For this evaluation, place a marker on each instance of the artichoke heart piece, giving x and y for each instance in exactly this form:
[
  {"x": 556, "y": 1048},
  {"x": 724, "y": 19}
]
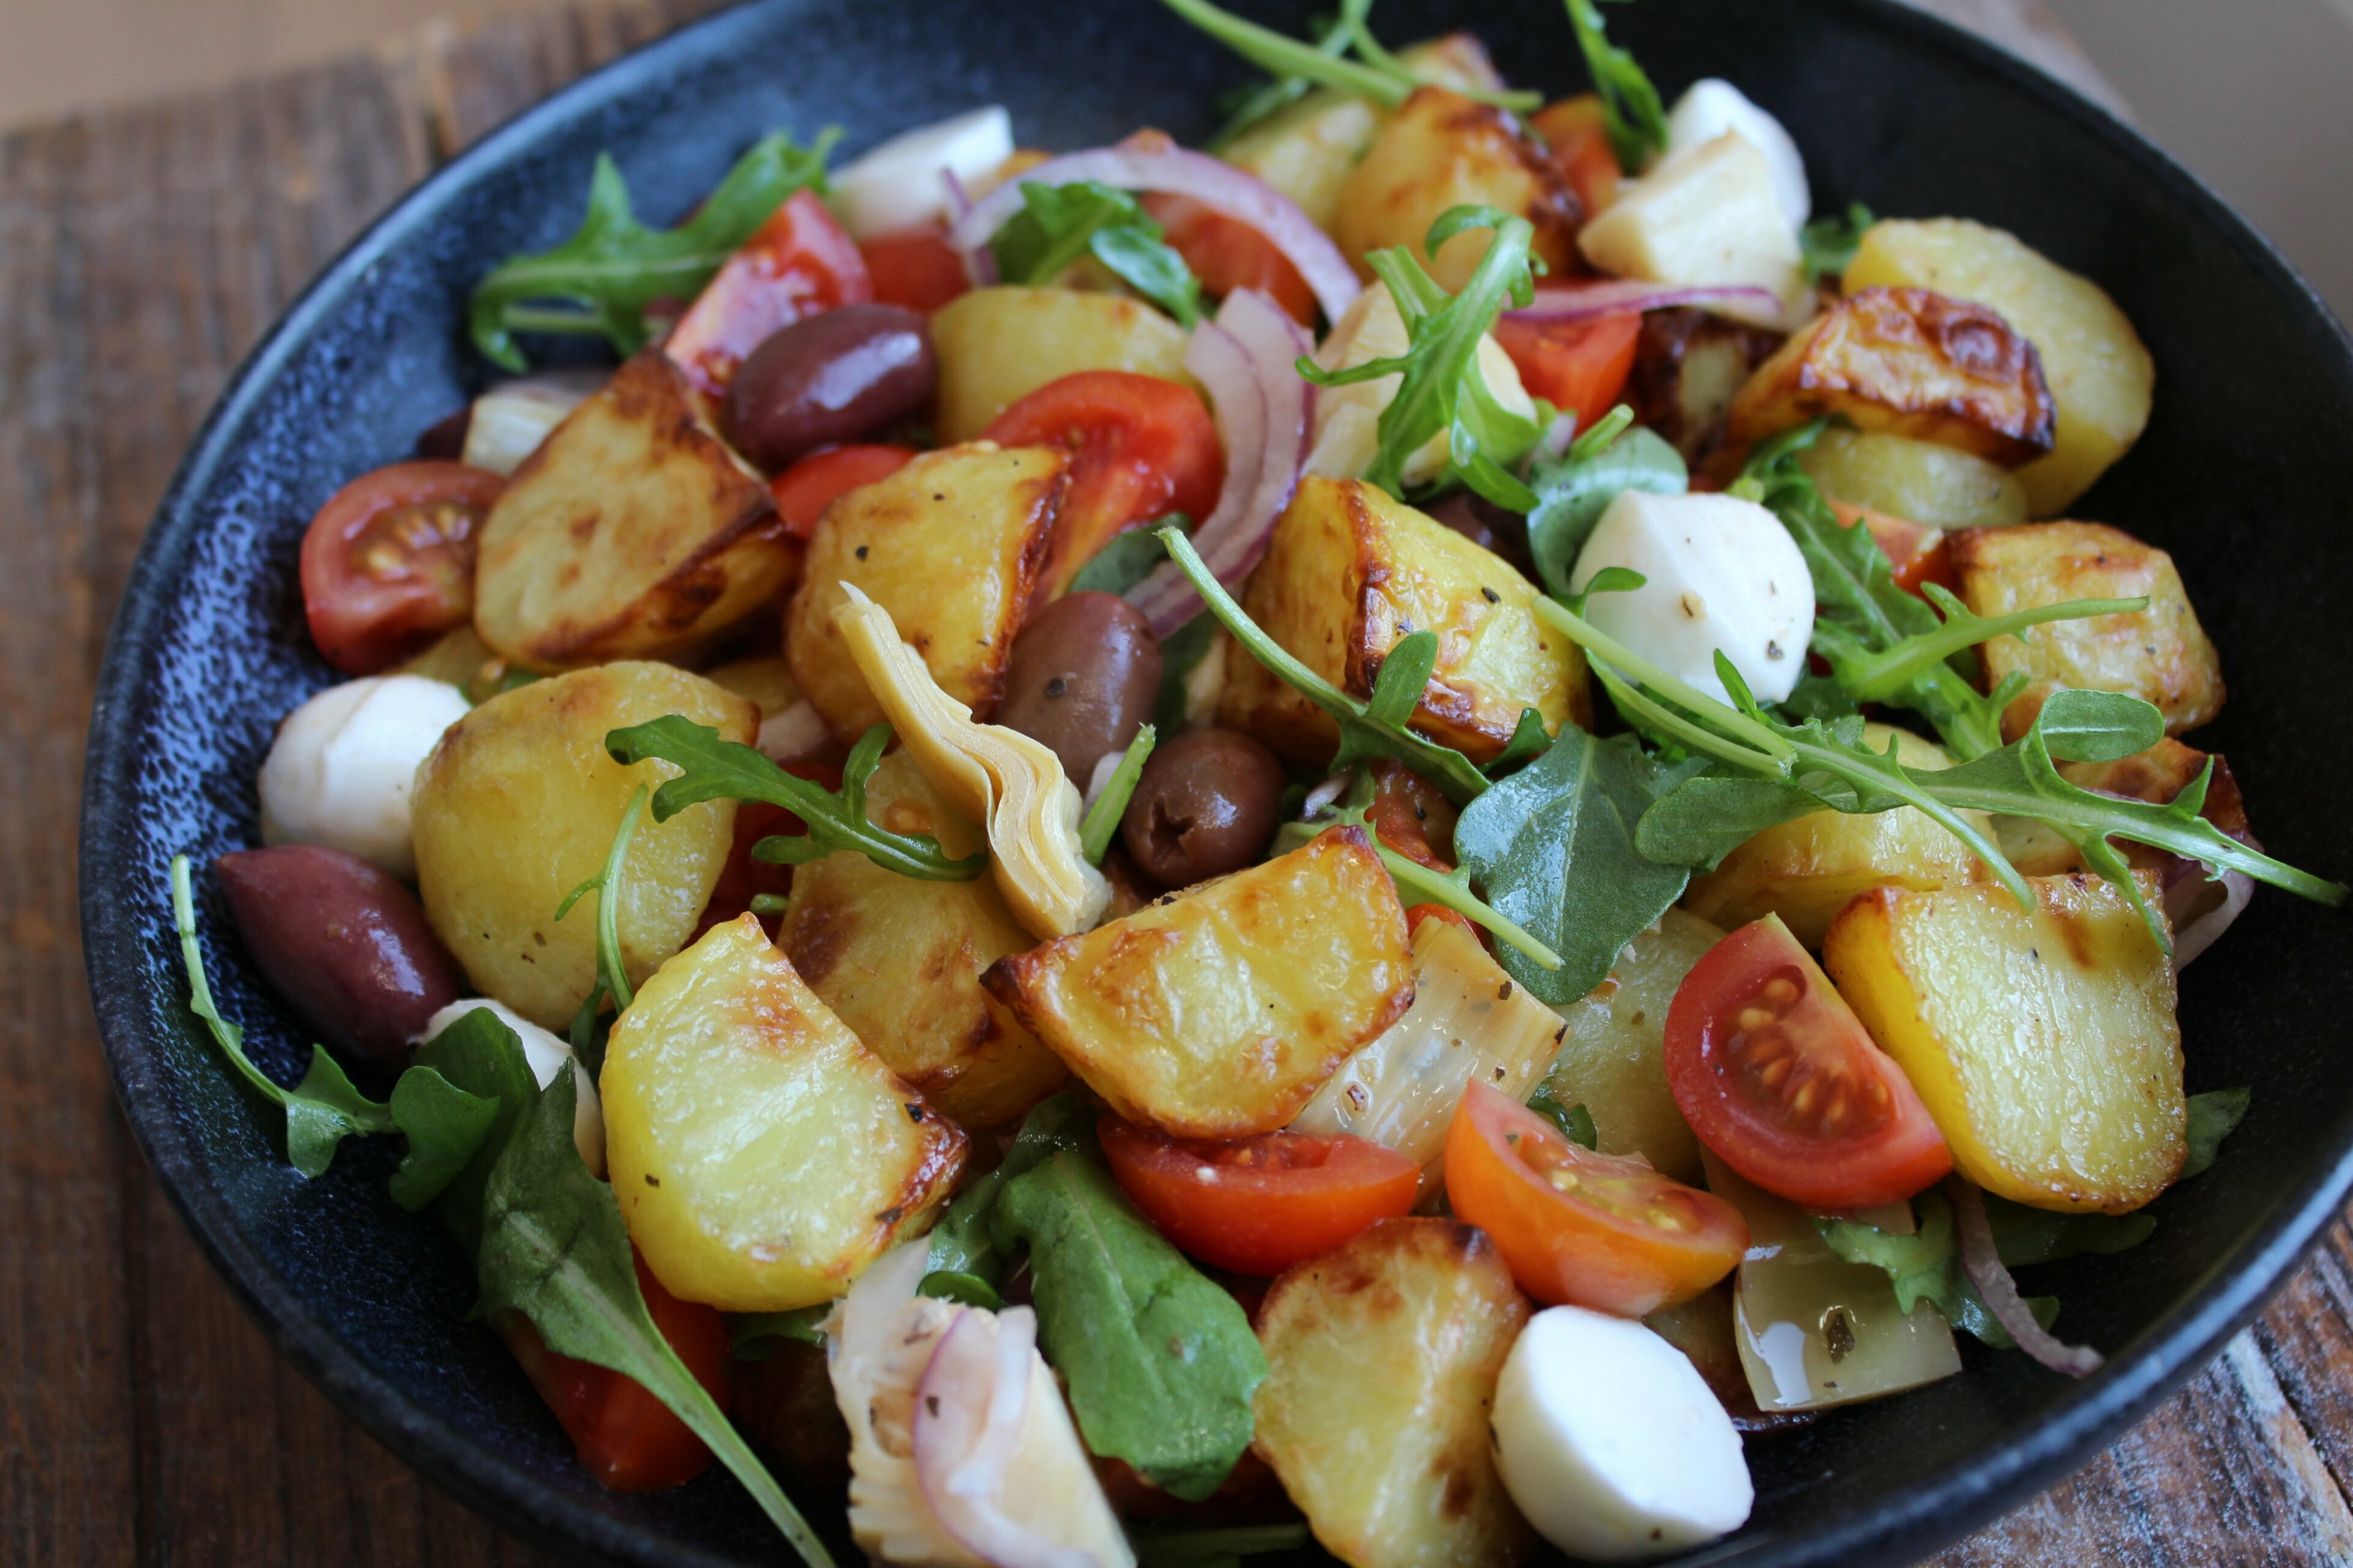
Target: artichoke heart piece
[{"x": 998, "y": 777}]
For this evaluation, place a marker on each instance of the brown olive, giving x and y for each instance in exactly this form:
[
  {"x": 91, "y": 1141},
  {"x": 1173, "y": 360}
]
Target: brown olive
[
  {"x": 1082, "y": 678},
  {"x": 346, "y": 946},
  {"x": 1205, "y": 806},
  {"x": 831, "y": 377}
]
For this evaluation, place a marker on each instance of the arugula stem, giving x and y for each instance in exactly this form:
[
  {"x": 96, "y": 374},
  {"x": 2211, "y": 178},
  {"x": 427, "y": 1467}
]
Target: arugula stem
[
  {"x": 1437, "y": 887},
  {"x": 1282, "y": 56},
  {"x": 538, "y": 318},
  {"x": 1706, "y": 742},
  {"x": 1898, "y": 780},
  {"x": 1728, "y": 721},
  {"x": 1880, "y": 677},
  {"x": 607, "y": 885},
  {"x": 230, "y": 1039},
  {"x": 1103, "y": 817}
]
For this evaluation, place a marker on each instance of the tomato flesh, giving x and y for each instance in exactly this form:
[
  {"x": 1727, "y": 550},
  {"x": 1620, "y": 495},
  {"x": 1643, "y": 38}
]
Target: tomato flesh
[
  {"x": 1777, "y": 1077},
  {"x": 799, "y": 262},
  {"x": 1580, "y": 366},
  {"x": 1259, "y": 1204},
  {"x": 1139, "y": 447},
  {"x": 1226, "y": 254},
  {"x": 914, "y": 268},
  {"x": 1577, "y": 136},
  {"x": 388, "y": 563},
  {"x": 803, "y": 491}
]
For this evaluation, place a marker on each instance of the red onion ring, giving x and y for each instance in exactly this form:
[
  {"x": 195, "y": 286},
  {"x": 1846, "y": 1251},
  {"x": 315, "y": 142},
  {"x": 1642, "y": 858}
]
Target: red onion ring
[
  {"x": 1247, "y": 359},
  {"x": 2200, "y": 931},
  {"x": 1559, "y": 306},
  {"x": 970, "y": 1411},
  {"x": 1210, "y": 181},
  {"x": 1984, "y": 1267}
]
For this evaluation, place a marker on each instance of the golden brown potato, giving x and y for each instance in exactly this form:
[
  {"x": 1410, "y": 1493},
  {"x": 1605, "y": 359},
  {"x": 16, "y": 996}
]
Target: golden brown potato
[
  {"x": 997, "y": 346},
  {"x": 950, "y": 545},
  {"x": 465, "y": 661},
  {"x": 1440, "y": 151},
  {"x": 899, "y": 959},
  {"x": 1382, "y": 1357},
  {"x": 2160, "y": 653},
  {"x": 632, "y": 533},
  {"x": 2043, "y": 1041},
  {"x": 1218, "y": 1012},
  {"x": 1349, "y": 573},
  {"x": 1807, "y": 869},
  {"x": 764, "y": 682},
  {"x": 1920, "y": 481},
  {"x": 762, "y": 1157},
  {"x": 1908, "y": 363},
  {"x": 1688, "y": 367},
  {"x": 2103, "y": 378},
  {"x": 517, "y": 805}
]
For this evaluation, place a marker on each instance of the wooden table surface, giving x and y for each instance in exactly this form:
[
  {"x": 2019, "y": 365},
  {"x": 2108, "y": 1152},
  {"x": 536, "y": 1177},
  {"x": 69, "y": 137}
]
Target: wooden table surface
[{"x": 144, "y": 1419}]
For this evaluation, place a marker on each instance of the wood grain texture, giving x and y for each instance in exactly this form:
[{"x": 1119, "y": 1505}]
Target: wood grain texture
[{"x": 144, "y": 1419}]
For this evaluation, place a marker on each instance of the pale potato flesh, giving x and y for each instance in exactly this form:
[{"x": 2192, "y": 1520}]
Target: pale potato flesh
[
  {"x": 1919, "y": 481},
  {"x": 997, "y": 346},
  {"x": 1440, "y": 151}
]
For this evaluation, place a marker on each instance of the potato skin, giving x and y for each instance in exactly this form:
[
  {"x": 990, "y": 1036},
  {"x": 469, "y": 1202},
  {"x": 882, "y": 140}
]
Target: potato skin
[
  {"x": 1688, "y": 367},
  {"x": 1348, "y": 574},
  {"x": 997, "y": 346},
  {"x": 517, "y": 805},
  {"x": 1440, "y": 151},
  {"x": 632, "y": 533},
  {"x": 762, "y": 1155},
  {"x": 2160, "y": 653},
  {"x": 2043, "y": 1041},
  {"x": 1382, "y": 1357},
  {"x": 1173, "y": 1017},
  {"x": 1919, "y": 481},
  {"x": 1907, "y": 361},
  {"x": 950, "y": 545}
]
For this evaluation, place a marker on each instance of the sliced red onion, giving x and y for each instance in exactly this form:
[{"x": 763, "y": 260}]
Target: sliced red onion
[
  {"x": 1212, "y": 182},
  {"x": 1324, "y": 793},
  {"x": 1558, "y": 306},
  {"x": 2000, "y": 1292},
  {"x": 2200, "y": 930},
  {"x": 1247, "y": 360},
  {"x": 970, "y": 1412}
]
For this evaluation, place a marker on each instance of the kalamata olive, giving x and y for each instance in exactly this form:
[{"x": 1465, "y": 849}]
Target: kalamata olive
[
  {"x": 835, "y": 377},
  {"x": 445, "y": 439},
  {"x": 1205, "y": 806},
  {"x": 1082, "y": 678},
  {"x": 346, "y": 946}
]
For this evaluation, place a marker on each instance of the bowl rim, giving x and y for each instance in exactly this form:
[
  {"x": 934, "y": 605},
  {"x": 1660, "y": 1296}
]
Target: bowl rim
[{"x": 1906, "y": 1524}]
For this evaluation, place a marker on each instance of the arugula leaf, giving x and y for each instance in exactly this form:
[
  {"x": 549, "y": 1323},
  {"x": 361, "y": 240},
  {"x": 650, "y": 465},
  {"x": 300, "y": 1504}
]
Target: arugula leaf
[
  {"x": 1378, "y": 74},
  {"x": 1128, "y": 558},
  {"x": 1573, "y": 489},
  {"x": 1102, "y": 817},
  {"x": 1575, "y": 1121},
  {"x": 1441, "y": 390},
  {"x": 970, "y": 1289},
  {"x": 717, "y": 769},
  {"x": 555, "y": 1249},
  {"x": 481, "y": 1056},
  {"x": 753, "y": 1336},
  {"x": 1926, "y": 1267},
  {"x": 1631, "y": 107},
  {"x": 612, "y": 972},
  {"x": 1375, "y": 729},
  {"x": 1827, "y": 246},
  {"x": 1712, "y": 815},
  {"x": 1249, "y": 104},
  {"x": 446, "y": 1127},
  {"x": 1161, "y": 1363},
  {"x": 1886, "y": 676},
  {"x": 2213, "y": 1116},
  {"x": 2023, "y": 1235},
  {"x": 1530, "y": 740},
  {"x": 1181, "y": 652},
  {"x": 961, "y": 1243},
  {"x": 1059, "y": 224},
  {"x": 613, "y": 267}
]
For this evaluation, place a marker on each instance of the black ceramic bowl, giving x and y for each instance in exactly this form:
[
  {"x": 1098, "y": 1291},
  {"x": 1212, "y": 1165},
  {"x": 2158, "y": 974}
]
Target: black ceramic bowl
[{"x": 2243, "y": 475}]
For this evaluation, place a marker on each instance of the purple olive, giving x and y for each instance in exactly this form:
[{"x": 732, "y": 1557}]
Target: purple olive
[
  {"x": 1083, "y": 678},
  {"x": 1205, "y": 806},
  {"x": 346, "y": 946},
  {"x": 835, "y": 377}
]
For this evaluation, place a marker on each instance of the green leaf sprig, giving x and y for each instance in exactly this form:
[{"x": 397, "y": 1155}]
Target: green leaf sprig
[
  {"x": 1102, "y": 817},
  {"x": 601, "y": 280},
  {"x": 1575, "y": 1121},
  {"x": 1632, "y": 110},
  {"x": 1827, "y": 246},
  {"x": 1059, "y": 224},
  {"x": 612, "y": 981},
  {"x": 1573, "y": 489},
  {"x": 1128, "y": 557}
]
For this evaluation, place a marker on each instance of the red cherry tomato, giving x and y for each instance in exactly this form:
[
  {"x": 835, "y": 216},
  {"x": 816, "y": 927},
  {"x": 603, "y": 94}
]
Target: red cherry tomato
[
  {"x": 626, "y": 1437},
  {"x": 1917, "y": 553},
  {"x": 1260, "y": 1205},
  {"x": 799, "y": 262},
  {"x": 914, "y": 268},
  {"x": 1141, "y": 448},
  {"x": 1581, "y": 1228},
  {"x": 1580, "y": 366},
  {"x": 1578, "y": 139},
  {"x": 1226, "y": 254},
  {"x": 803, "y": 491},
  {"x": 388, "y": 563},
  {"x": 1776, "y": 1075},
  {"x": 1412, "y": 816}
]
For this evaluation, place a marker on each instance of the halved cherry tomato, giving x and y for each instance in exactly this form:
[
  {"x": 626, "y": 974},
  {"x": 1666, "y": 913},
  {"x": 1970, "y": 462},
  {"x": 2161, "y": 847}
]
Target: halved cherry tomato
[
  {"x": 1226, "y": 254},
  {"x": 388, "y": 563},
  {"x": 1777, "y": 1077},
  {"x": 1421, "y": 912},
  {"x": 914, "y": 268},
  {"x": 1917, "y": 553},
  {"x": 1263, "y": 1204},
  {"x": 1412, "y": 816},
  {"x": 799, "y": 262},
  {"x": 1139, "y": 447},
  {"x": 1581, "y": 366},
  {"x": 1577, "y": 1227},
  {"x": 626, "y": 1437},
  {"x": 1578, "y": 139},
  {"x": 803, "y": 491}
]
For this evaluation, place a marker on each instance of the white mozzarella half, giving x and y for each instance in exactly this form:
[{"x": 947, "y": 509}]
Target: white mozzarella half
[
  {"x": 902, "y": 182},
  {"x": 1347, "y": 418},
  {"x": 546, "y": 1055},
  {"x": 1610, "y": 1443},
  {"x": 1720, "y": 572},
  {"x": 1710, "y": 106},
  {"x": 340, "y": 772}
]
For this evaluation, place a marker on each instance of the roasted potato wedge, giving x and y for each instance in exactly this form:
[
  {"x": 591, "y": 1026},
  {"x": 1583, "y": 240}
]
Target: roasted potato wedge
[
  {"x": 517, "y": 805},
  {"x": 1441, "y": 151},
  {"x": 632, "y": 533},
  {"x": 950, "y": 545},
  {"x": 1175, "y": 1017},
  {"x": 763, "y": 1156},
  {"x": 1382, "y": 1357},
  {"x": 2100, "y": 373},
  {"x": 1350, "y": 573},
  {"x": 1933, "y": 485},
  {"x": 997, "y": 346},
  {"x": 2042, "y": 1040},
  {"x": 1688, "y": 367},
  {"x": 2160, "y": 653},
  {"x": 764, "y": 682},
  {"x": 1907, "y": 361}
]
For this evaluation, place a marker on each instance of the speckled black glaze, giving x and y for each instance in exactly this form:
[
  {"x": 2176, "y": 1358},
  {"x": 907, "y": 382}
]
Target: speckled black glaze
[{"x": 2243, "y": 475}]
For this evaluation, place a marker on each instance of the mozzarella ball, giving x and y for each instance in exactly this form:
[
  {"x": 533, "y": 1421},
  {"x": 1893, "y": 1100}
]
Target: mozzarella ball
[
  {"x": 339, "y": 773},
  {"x": 902, "y": 182},
  {"x": 1722, "y": 573},
  {"x": 1610, "y": 1443},
  {"x": 546, "y": 1055},
  {"x": 1713, "y": 106},
  {"x": 1347, "y": 418}
]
